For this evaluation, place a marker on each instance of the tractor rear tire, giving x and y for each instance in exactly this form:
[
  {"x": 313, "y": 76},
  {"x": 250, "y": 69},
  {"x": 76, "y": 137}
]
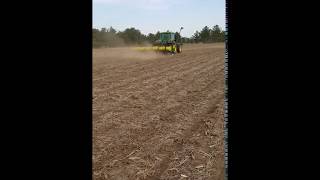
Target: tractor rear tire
[{"x": 179, "y": 50}]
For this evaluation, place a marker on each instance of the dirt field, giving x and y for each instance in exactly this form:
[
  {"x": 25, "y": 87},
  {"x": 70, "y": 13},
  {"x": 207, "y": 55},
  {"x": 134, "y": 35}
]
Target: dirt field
[{"x": 158, "y": 116}]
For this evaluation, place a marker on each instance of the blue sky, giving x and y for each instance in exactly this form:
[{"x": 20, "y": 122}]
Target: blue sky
[{"x": 150, "y": 16}]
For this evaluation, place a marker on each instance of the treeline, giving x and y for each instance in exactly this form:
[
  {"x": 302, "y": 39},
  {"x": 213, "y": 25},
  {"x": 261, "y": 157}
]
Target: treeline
[{"x": 131, "y": 36}]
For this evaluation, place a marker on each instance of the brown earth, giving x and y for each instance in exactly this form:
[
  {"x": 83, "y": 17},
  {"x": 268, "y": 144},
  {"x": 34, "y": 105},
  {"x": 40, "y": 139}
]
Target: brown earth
[{"x": 158, "y": 116}]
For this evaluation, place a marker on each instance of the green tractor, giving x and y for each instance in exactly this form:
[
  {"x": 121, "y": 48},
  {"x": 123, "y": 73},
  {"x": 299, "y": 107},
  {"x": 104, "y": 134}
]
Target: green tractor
[{"x": 167, "y": 43}]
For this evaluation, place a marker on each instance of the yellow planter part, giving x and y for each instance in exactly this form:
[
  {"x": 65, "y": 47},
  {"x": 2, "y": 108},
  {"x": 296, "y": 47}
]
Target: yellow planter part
[{"x": 157, "y": 48}]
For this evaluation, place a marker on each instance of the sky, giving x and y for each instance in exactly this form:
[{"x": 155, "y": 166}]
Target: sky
[{"x": 150, "y": 16}]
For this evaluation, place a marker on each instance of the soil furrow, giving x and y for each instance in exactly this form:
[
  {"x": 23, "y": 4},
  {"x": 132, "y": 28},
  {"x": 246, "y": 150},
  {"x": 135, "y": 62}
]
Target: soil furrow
[{"x": 157, "y": 117}]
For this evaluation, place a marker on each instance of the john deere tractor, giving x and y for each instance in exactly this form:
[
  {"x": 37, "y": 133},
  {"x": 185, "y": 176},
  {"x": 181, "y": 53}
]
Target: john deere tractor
[{"x": 167, "y": 43}]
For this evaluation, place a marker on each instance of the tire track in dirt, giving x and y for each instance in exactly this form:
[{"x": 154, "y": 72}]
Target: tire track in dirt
[
  {"x": 185, "y": 137},
  {"x": 123, "y": 166},
  {"x": 151, "y": 63},
  {"x": 182, "y": 83},
  {"x": 158, "y": 65},
  {"x": 160, "y": 61},
  {"x": 190, "y": 147},
  {"x": 173, "y": 91},
  {"x": 171, "y": 76},
  {"x": 145, "y": 130},
  {"x": 169, "y": 66},
  {"x": 196, "y": 112},
  {"x": 168, "y": 94},
  {"x": 110, "y": 85},
  {"x": 144, "y": 115}
]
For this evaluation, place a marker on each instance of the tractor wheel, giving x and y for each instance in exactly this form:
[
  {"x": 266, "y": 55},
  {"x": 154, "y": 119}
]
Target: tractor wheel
[{"x": 179, "y": 50}]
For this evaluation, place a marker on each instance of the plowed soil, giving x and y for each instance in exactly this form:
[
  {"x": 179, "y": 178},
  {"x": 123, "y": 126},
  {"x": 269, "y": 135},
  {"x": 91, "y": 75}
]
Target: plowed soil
[{"x": 158, "y": 116}]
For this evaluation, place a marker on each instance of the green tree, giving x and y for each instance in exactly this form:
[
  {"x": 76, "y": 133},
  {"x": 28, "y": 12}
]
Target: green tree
[
  {"x": 205, "y": 34},
  {"x": 151, "y": 38},
  {"x": 96, "y": 38},
  {"x": 132, "y": 36},
  {"x": 216, "y": 34},
  {"x": 196, "y": 37},
  {"x": 112, "y": 30},
  {"x": 216, "y": 29},
  {"x": 157, "y": 35}
]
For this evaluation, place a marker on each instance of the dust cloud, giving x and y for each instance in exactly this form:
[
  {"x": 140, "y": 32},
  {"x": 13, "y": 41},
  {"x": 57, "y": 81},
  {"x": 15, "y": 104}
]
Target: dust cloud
[{"x": 125, "y": 53}]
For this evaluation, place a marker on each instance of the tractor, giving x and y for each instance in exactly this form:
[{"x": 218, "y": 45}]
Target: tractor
[{"x": 167, "y": 43}]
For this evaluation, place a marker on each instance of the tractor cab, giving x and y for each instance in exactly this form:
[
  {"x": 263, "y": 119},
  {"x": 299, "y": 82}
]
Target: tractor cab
[{"x": 167, "y": 37}]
